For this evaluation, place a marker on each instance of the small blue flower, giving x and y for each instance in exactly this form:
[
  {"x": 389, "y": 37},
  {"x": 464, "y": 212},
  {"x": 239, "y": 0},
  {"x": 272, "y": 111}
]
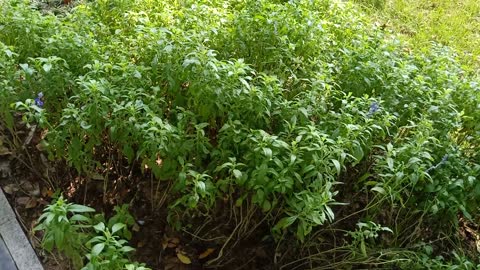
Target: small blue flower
[
  {"x": 444, "y": 159},
  {"x": 374, "y": 107},
  {"x": 39, "y": 100}
]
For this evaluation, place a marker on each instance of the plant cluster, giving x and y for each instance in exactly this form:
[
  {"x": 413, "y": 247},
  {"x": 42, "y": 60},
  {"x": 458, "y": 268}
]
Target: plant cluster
[
  {"x": 269, "y": 110},
  {"x": 71, "y": 229}
]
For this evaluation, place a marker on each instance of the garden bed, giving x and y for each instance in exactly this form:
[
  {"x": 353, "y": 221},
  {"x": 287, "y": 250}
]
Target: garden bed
[{"x": 235, "y": 135}]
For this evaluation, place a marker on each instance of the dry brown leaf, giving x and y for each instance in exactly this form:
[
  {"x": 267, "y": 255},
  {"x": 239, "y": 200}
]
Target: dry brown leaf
[
  {"x": 32, "y": 189},
  {"x": 170, "y": 266},
  {"x": 136, "y": 228},
  {"x": 31, "y": 203},
  {"x": 164, "y": 244},
  {"x": 46, "y": 192},
  {"x": 171, "y": 242},
  {"x": 41, "y": 146},
  {"x": 30, "y": 135},
  {"x": 206, "y": 253},
  {"x": 183, "y": 258},
  {"x": 140, "y": 244},
  {"x": 5, "y": 170},
  {"x": 4, "y": 151},
  {"x": 11, "y": 188},
  {"x": 174, "y": 240},
  {"x": 23, "y": 200},
  {"x": 171, "y": 263}
]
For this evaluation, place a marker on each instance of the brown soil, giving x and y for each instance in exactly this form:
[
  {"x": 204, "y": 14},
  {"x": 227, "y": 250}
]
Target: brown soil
[{"x": 29, "y": 180}]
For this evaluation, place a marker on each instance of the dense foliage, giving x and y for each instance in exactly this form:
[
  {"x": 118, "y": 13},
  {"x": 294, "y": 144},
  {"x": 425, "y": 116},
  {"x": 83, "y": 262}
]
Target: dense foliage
[{"x": 296, "y": 116}]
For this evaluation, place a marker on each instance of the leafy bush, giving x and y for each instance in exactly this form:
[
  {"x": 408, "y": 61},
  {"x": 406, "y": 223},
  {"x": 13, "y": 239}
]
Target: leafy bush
[
  {"x": 69, "y": 228},
  {"x": 278, "y": 108}
]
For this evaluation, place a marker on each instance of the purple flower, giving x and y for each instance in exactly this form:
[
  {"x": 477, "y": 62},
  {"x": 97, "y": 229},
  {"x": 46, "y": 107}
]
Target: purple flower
[
  {"x": 444, "y": 159},
  {"x": 39, "y": 100},
  {"x": 373, "y": 109}
]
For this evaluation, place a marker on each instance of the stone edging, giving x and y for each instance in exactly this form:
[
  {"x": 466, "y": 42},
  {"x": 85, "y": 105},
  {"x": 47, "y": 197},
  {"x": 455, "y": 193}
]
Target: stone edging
[{"x": 17, "y": 243}]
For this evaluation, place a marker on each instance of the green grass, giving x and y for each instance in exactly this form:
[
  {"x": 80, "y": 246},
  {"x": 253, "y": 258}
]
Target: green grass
[{"x": 455, "y": 23}]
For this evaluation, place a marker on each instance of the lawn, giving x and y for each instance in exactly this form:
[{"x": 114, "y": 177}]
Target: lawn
[{"x": 455, "y": 23}]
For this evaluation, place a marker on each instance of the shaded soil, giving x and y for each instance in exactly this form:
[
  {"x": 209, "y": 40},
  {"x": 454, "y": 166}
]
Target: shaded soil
[{"x": 30, "y": 181}]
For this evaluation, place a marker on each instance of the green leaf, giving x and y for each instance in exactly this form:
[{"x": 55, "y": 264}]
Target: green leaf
[
  {"x": 237, "y": 174},
  {"x": 337, "y": 166},
  {"x": 301, "y": 230},
  {"x": 78, "y": 208},
  {"x": 201, "y": 186},
  {"x": 79, "y": 218},
  {"x": 390, "y": 163},
  {"x": 137, "y": 74},
  {"x": 389, "y": 147},
  {"x": 117, "y": 227},
  {"x": 244, "y": 82},
  {"x": 259, "y": 196},
  {"x": 266, "y": 206},
  {"x": 127, "y": 249},
  {"x": 27, "y": 69},
  {"x": 84, "y": 125},
  {"x": 59, "y": 238},
  {"x": 100, "y": 227},
  {"x": 363, "y": 248},
  {"x": 358, "y": 153},
  {"x": 98, "y": 248},
  {"x": 9, "y": 53},
  {"x": 47, "y": 67},
  {"x": 285, "y": 222},
  {"x": 267, "y": 152},
  {"x": 330, "y": 214},
  {"x": 379, "y": 190},
  {"x": 128, "y": 152}
]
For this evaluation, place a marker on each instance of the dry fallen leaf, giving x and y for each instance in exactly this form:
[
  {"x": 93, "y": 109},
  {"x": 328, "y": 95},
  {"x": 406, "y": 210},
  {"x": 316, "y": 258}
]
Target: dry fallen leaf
[
  {"x": 33, "y": 189},
  {"x": 206, "y": 253},
  {"x": 174, "y": 240},
  {"x": 140, "y": 244},
  {"x": 171, "y": 263},
  {"x": 164, "y": 245},
  {"x": 135, "y": 227},
  {"x": 30, "y": 135},
  {"x": 46, "y": 192},
  {"x": 5, "y": 170},
  {"x": 11, "y": 188},
  {"x": 4, "y": 151},
  {"x": 23, "y": 200},
  {"x": 31, "y": 203},
  {"x": 171, "y": 242},
  {"x": 41, "y": 146},
  {"x": 183, "y": 258}
]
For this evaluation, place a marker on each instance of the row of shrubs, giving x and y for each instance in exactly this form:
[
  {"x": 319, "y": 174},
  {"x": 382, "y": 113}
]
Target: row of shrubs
[{"x": 281, "y": 107}]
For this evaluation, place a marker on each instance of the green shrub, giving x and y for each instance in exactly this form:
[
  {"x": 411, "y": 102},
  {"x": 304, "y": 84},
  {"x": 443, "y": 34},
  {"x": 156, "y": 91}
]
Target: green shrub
[
  {"x": 276, "y": 107},
  {"x": 70, "y": 229}
]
